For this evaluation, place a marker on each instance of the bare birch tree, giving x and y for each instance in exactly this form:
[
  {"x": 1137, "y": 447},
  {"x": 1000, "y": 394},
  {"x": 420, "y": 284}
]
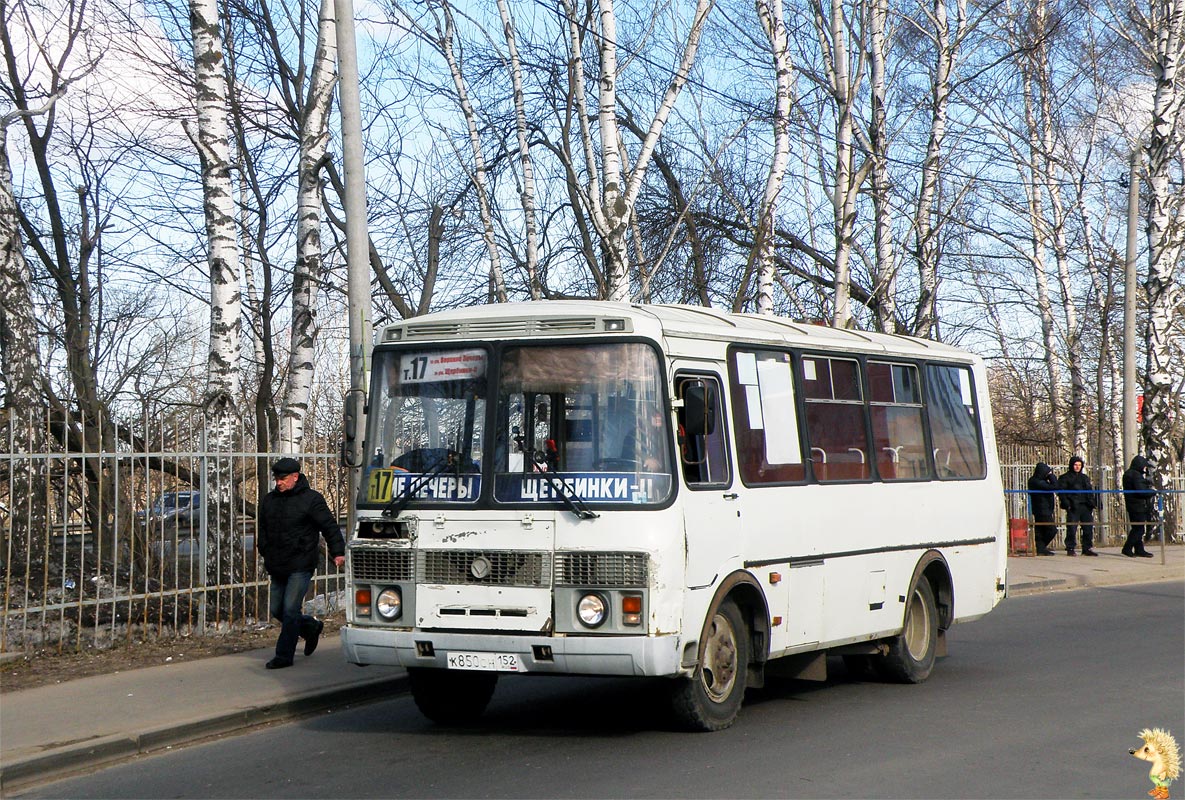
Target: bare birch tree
[
  {"x": 526, "y": 164},
  {"x": 1166, "y": 228},
  {"x": 929, "y": 216},
  {"x": 884, "y": 271},
  {"x": 773, "y": 22},
  {"x": 613, "y": 208},
  {"x": 222, "y": 384},
  {"x": 308, "y": 270},
  {"x": 842, "y": 79}
]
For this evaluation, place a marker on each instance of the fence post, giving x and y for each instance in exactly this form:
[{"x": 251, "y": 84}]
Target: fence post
[{"x": 204, "y": 494}]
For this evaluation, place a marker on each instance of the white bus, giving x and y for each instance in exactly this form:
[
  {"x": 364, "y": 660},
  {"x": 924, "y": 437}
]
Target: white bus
[{"x": 609, "y": 489}]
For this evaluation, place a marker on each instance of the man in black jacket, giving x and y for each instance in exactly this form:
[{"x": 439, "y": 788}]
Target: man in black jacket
[
  {"x": 1078, "y": 499},
  {"x": 290, "y": 518},
  {"x": 1138, "y": 497},
  {"x": 1042, "y": 485}
]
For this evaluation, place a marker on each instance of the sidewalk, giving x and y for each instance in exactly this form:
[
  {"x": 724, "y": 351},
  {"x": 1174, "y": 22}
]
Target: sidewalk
[{"x": 52, "y": 731}]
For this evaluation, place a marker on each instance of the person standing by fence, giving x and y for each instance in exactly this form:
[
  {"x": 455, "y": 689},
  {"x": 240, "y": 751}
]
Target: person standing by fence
[
  {"x": 1078, "y": 499},
  {"x": 290, "y": 519},
  {"x": 1042, "y": 485},
  {"x": 1138, "y": 497}
]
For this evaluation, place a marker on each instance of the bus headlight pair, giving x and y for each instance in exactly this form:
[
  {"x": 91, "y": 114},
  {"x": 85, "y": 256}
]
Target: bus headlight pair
[
  {"x": 388, "y": 605},
  {"x": 593, "y": 609}
]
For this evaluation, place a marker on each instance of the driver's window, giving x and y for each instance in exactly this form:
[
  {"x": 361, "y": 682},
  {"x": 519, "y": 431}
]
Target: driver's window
[{"x": 703, "y": 455}]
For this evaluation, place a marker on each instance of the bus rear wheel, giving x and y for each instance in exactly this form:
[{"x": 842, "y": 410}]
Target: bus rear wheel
[
  {"x": 711, "y": 698},
  {"x": 451, "y": 698},
  {"x": 911, "y": 655}
]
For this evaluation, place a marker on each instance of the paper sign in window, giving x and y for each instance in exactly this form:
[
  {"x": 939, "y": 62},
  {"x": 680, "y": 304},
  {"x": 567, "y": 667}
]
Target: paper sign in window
[
  {"x": 781, "y": 416},
  {"x": 746, "y": 369}
]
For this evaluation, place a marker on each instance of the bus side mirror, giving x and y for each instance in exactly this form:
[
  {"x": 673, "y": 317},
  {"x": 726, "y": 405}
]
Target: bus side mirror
[
  {"x": 699, "y": 409},
  {"x": 353, "y": 410}
]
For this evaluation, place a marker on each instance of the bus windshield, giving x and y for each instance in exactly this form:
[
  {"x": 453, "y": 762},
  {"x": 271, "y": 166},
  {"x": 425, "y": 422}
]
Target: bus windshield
[{"x": 593, "y": 414}]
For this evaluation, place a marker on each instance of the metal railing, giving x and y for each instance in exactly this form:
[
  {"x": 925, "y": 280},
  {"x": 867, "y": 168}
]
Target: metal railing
[{"x": 147, "y": 534}]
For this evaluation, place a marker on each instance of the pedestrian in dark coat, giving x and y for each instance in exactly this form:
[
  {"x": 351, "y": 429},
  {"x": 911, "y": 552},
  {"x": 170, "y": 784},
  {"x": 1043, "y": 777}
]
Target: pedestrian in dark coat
[
  {"x": 1042, "y": 500},
  {"x": 291, "y": 518},
  {"x": 1139, "y": 497},
  {"x": 1077, "y": 497}
]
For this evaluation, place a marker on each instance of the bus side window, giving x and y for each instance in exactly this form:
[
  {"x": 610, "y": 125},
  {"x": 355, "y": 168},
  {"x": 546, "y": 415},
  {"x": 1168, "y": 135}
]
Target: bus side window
[{"x": 703, "y": 451}]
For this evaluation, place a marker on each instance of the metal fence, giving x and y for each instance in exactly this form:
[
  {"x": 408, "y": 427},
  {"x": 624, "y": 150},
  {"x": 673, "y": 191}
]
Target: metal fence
[{"x": 137, "y": 531}]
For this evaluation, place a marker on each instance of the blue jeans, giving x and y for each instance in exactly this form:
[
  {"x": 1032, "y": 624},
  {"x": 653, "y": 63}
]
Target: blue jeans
[{"x": 286, "y": 604}]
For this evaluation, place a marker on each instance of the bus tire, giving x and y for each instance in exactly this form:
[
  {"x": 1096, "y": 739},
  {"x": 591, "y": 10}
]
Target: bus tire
[
  {"x": 711, "y": 698},
  {"x": 451, "y": 698},
  {"x": 911, "y": 655}
]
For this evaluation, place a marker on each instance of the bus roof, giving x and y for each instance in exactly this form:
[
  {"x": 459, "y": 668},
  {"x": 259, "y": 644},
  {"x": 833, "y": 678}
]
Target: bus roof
[{"x": 660, "y": 321}]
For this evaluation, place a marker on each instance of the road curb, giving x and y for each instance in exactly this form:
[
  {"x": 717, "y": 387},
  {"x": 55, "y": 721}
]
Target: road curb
[
  {"x": 1037, "y": 587},
  {"x": 1081, "y": 582},
  {"x": 25, "y": 771}
]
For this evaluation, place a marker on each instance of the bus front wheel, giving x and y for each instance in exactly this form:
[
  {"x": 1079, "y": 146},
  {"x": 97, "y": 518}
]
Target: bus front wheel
[
  {"x": 451, "y": 698},
  {"x": 711, "y": 698},
  {"x": 911, "y": 655}
]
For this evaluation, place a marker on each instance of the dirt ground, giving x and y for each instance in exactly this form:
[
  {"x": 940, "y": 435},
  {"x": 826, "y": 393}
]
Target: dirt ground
[{"x": 44, "y": 667}]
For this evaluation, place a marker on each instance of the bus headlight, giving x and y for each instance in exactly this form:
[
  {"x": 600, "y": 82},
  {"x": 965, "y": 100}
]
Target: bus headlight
[
  {"x": 389, "y": 604},
  {"x": 592, "y": 609}
]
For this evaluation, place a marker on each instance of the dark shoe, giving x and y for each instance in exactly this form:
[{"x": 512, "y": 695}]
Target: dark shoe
[
  {"x": 1089, "y": 553},
  {"x": 1071, "y": 553},
  {"x": 279, "y": 663},
  {"x": 1145, "y": 554},
  {"x": 1045, "y": 551},
  {"x": 310, "y": 641},
  {"x": 1128, "y": 553}
]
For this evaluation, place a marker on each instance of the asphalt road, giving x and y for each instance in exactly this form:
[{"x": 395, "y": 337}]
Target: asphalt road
[{"x": 1041, "y": 699}]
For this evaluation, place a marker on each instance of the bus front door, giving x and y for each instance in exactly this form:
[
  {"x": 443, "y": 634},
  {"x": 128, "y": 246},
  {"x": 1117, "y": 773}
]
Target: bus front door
[{"x": 711, "y": 506}]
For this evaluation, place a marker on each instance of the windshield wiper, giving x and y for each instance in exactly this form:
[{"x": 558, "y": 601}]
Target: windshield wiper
[
  {"x": 572, "y": 500},
  {"x": 397, "y": 504}
]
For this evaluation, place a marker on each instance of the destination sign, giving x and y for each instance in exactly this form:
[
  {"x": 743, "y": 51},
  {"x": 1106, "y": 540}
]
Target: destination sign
[
  {"x": 591, "y": 487},
  {"x": 453, "y": 365},
  {"x": 383, "y": 484}
]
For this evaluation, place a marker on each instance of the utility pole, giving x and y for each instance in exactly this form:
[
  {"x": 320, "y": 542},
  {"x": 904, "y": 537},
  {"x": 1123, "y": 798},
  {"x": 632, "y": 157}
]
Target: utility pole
[
  {"x": 357, "y": 244},
  {"x": 1129, "y": 310}
]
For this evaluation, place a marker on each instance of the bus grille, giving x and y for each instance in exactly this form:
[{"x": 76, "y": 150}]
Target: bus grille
[
  {"x": 601, "y": 569},
  {"x": 381, "y": 565},
  {"x": 488, "y": 567}
]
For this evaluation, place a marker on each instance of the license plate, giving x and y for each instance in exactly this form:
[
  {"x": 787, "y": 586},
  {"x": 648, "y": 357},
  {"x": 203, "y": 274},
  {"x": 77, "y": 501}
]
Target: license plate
[{"x": 488, "y": 662}]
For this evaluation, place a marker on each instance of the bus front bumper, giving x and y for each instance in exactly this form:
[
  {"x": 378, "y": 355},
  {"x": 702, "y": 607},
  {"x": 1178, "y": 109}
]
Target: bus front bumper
[{"x": 580, "y": 655}]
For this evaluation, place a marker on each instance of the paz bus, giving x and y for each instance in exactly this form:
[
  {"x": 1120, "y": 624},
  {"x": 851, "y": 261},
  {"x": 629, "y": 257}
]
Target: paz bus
[{"x": 658, "y": 490}]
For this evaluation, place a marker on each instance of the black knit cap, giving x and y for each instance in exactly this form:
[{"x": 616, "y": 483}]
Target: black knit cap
[{"x": 285, "y": 466}]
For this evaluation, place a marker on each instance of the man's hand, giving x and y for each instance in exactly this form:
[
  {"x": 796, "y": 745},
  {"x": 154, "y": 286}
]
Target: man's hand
[{"x": 339, "y": 560}]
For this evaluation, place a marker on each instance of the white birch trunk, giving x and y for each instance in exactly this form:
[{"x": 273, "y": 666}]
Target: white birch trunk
[
  {"x": 884, "y": 273},
  {"x": 1166, "y": 237},
  {"x": 589, "y": 195},
  {"x": 1078, "y": 433},
  {"x": 445, "y": 41},
  {"x": 612, "y": 202},
  {"x": 1037, "y": 257},
  {"x": 832, "y": 30},
  {"x": 618, "y": 198},
  {"x": 223, "y": 254},
  {"x": 306, "y": 275},
  {"x": 928, "y": 217},
  {"x": 527, "y": 191},
  {"x": 222, "y": 383},
  {"x": 1108, "y": 376},
  {"x": 772, "y": 16}
]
